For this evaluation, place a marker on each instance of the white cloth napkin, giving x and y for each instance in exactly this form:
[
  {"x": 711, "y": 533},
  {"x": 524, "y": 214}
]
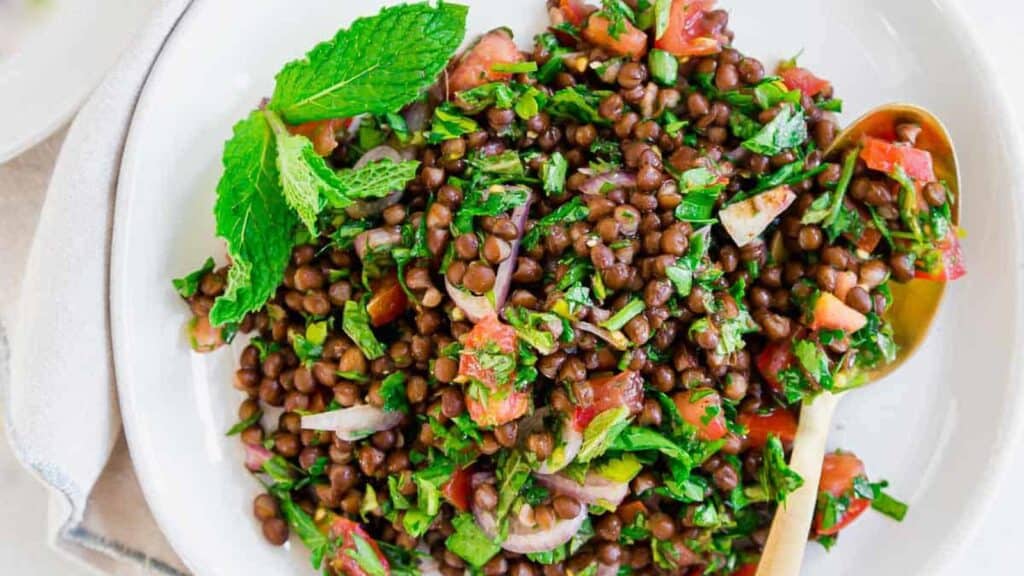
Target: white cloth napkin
[{"x": 62, "y": 414}]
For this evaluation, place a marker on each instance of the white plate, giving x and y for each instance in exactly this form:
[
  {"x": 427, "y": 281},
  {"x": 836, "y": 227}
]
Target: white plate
[
  {"x": 52, "y": 54},
  {"x": 939, "y": 430}
]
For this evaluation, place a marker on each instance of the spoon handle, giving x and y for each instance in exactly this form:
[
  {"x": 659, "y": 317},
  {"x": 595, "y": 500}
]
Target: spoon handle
[{"x": 784, "y": 551}]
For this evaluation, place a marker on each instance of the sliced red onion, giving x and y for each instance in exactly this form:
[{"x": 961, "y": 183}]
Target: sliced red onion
[
  {"x": 376, "y": 238},
  {"x": 381, "y": 152},
  {"x": 524, "y": 540},
  {"x": 615, "y": 339},
  {"x": 596, "y": 489},
  {"x": 353, "y": 423},
  {"x": 476, "y": 308},
  {"x": 366, "y": 208},
  {"x": 569, "y": 445},
  {"x": 602, "y": 183},
  {"x": 482, "y": 477},
  {"x": 255, "y": 456}
]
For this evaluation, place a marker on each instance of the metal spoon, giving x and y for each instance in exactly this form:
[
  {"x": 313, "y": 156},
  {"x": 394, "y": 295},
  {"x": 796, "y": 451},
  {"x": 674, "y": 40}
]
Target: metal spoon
[{"x": 914, "y": 306}]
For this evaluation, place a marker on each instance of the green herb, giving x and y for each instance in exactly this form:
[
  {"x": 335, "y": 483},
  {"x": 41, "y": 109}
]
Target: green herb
[
  {"x": 701, "y": 189},
  {"x": 908, "y": 202},
  {"x": 684, "y": 270},
  {"x": 890, "y": 506},
  {"x": 578, "y": 270},
  {"x": 514, "y": 67},
  {"x": 578, "y": 103},
  {"x": 814, "y": 361},
  {"x": 777, "y": 479},
  {"x": 242, "y": 425},
  {"x": 377, "y": 65},
  {"x": 494, "y": 201},
  {"x": 449, "y": 124},
  {"x": 188, "y": 285},
  {"x": 392, "y": 391},
  {"x": 831, "y": 105},
  {"x": 280, "y": 471},
  {"x": 254, "y": 220},
  {"x": 567, "y": 550},
  {"x": 638, "y": 438},
  {"x": 507, "y": 163},
  {"x": 770, "y": 92},
  {"x": 534, "y": 493},
  {"x": 310, "y": 346},
  {"x": 304, "y": 526},
  {"x": 621, "y": 469},
  {"x": 602, "y": 431},
  {"x": 618, "y": 320},
  {"x": 554, "y": 64},
  {"x": 662, "y": 15},
  {"x": 366, "y": 557},
  {"x": 375, "y": 180},
  {"x": 574, "y": 210},
  {"x": 532, "y": 326},
  {"x": 664, "y": 67},
  {"x": 743, "y": 127},
  {"x": 834, "y": 224},
  {"x": 475, "y": 100},
  {"x": 356, "y": 324},
  {"x": 787, "y": 130},
  {"x": 345, "y": 234},
  {"x": 874, "y": 343},
  {"x": 306, "y": 179},
  {"x": 553, "y": 173},
  {"x": 512, "y": 471},
  {"x": 369, "y": 503}
]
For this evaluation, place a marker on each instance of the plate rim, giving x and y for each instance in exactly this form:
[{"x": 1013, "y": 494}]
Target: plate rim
[{"x": 978, "y": 502}]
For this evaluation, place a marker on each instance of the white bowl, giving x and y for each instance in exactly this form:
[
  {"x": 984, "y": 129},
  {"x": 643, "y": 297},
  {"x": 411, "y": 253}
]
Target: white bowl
[{"x": 938, "y": 430}]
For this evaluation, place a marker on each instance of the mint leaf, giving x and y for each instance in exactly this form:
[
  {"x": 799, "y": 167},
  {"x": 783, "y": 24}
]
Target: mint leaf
[
  {"x": 305, "y": 176},
  {"x": 188, "y": 285},
  {"x": 355, "y": 323},
  {"x": 469, "y": 542},
  {"x": 377, "y": 65},
  {"x": 786, "y": 130},
  {"x": 375, "y": 180},
  {"x": 392, "y": 390},
  {"x": 253, "y": 218}
]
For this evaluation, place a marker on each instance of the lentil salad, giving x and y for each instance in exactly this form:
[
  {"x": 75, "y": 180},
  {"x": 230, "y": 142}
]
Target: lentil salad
[{"x": 557, "y": 314}]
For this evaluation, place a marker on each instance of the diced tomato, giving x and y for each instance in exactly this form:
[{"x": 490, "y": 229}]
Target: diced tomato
[
  {"x": 867, "y": 241},
  {"x": 203, "y": 336},
  {"x": 476, "y": 65},
  {"x": 952, "y": 265},
  {"x": 779, "y": 422},
  {"x": 702, "y": 408},
  {"x": 575, "y": 11},
  {"x": 487, "y": 332},
  {"x": 346, "y": 531},
  {"x": 630, "y": 41},
  {"x": 322, "y": 133},
  {"x": 388, "y": 302},
  {"x": 830, "y": 313},
  {"x": 801, "y": 79},
  {"x": 746, "y": 570},
  {"x": 628, "y": 511},
  {"x": 845, "y": 281},
  {"x": 622, "y": 389},
  {"x": 776, "y": 357},
  {"x": 884, "y": 156},
  {"x": 457, "y": 490},
  {"x": 688, "y": 32},
  {"x": 838, "y": 472},
  {"x": 502, "y": 405}
]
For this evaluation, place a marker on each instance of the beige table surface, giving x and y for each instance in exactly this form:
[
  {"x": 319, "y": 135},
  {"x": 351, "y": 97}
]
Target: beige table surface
[{"x": 23, "y": 549}]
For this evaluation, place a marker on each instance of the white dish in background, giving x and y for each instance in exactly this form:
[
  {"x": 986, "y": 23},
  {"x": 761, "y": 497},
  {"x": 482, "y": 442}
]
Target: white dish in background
[
  {"x": 939, "y": 430},
  {"x": 52, "y": 54}
]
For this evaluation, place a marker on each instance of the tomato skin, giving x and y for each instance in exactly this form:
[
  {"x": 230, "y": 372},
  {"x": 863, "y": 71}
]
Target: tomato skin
[
  {"x": 695, "y": 411},
  {"x": 486, "y": 331},
  {"x": 779, "y": 422},
  {"x": 774, "y": 358},
  {"x": 687, "y": 33},
  {"x": 952, "y": 266},
  {"x": 344, "y": 529},
  {"x": 388, "y": 302},
  {"x": 746, "y": 570},
  {"x": 458, "y": 489},
  {"x": 623, "y": 389},
  {"x": 831, "y": 313},
  {"x": 801, "y": 79},
  {"x": 632, "y": 41},
  {"x": 853, "y": 511},
  {"x": 501, "y": 407},
  {"x": 838, "y": 471},
  {"x": 575, "y": 11},
  {"x": 475, "y": 67},
  {"x": 884, "y": 156},
  {"x": 322, "y": 133}
]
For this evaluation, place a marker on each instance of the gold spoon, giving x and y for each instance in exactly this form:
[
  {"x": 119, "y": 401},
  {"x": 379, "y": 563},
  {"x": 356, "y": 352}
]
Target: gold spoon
[{"x": 913, "y": 309}]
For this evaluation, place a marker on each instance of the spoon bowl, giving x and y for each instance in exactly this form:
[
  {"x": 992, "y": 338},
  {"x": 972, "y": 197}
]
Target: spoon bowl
[{"x": 913, "y": 309}]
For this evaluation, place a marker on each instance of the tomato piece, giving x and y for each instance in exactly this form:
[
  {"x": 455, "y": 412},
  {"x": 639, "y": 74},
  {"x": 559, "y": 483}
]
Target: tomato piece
[
  {"x": 458, "y": 489},
  {"x": 501, "y": 406},
  {"x": 776, "y": 357},
  {"x": 779, "y": 422},
  {"x": 475, "y": 67},
  {"x": 203, "y": 336},
  {"x": 688, "y": 32},
  {"x": 388, "y": 302},
  {"x": 630, "y": 41},
  {"x": 702, "y": 408},
  {"x": 575, "y": 11},
  {"x": 952, "y": 265},
  {"x": 838, "y": 471},
  {"x": 323, "y": 133},
  {"x": 884, "y": 156},
  {"x": 853, "y": 511},
  {"x": 801, "y": 79},
  {"x": 494, "y": 338},
  {"x": 622, "y": 389},
  {"x": 746, "y": 570},
  {"x": 346, "y": 531},
  {"x": 830, "y": 313}
]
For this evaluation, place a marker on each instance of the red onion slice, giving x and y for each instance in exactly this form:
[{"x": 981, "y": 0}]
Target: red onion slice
[
  {"x": 608, "y": 181},
  {"x": 596, "y": 489},
  {"x": 570, "y": 441},
  {"x": 476, "y": 308},
  {"x": 382, "y": 152},
  {"x": 616, "y": 339},
  {"x": 523, "y": 540},
  {"x": 352, "y": 423},
  {"x": 376, "y": 238},
  {"x": 255, "y": 456}
]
